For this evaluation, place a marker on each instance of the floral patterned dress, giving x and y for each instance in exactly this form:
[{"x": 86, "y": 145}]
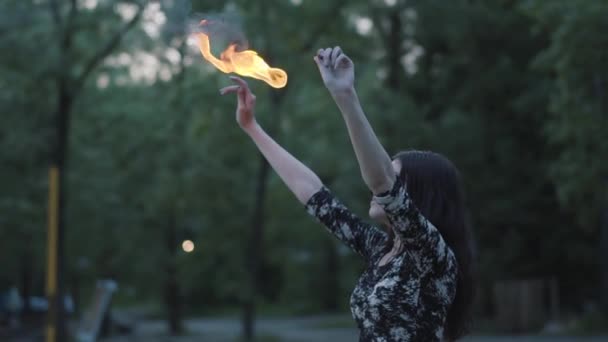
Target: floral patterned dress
[{"x": 406, "y": 299}]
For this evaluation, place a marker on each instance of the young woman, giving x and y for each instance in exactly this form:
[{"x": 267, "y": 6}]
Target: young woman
[{"x": 418, "y": 282}]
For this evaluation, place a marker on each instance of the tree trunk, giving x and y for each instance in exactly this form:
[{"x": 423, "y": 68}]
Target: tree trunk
[
  {"x": 254, "y": 255},
  {"x": 172, "y": 297},
  {"x": 393, "y": 40},
  {"x": 255, "y": 248},
  {"x": 394, "y": 50},
  {"x": 172, "y": 290},
  {"x": 604, "y": 258},
  {"x": 67, "y": 87},
  {"x": 331, "y": 284},
  {"x": 603, "y": 241},
  {"x": 76, "y": 293},
  {"x": 56, "y": 313},
  {"x": 26, "y": 280}
]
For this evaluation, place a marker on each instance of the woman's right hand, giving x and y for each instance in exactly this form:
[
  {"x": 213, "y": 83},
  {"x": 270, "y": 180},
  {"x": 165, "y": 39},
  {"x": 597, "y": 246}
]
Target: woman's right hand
[
  {"x": 245, "y": 114},
  {"x": 337, "y": 70}
]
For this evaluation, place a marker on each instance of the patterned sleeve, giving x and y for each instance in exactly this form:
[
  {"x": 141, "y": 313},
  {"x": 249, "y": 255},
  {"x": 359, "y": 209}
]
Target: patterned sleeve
[
  {"x": 415, "y": 230},
  {"x": 360, "y": 236}
]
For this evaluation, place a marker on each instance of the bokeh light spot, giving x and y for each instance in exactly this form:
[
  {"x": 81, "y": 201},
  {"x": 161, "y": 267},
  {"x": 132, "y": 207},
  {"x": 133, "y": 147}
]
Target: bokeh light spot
[{"x": 188, "y": 246}]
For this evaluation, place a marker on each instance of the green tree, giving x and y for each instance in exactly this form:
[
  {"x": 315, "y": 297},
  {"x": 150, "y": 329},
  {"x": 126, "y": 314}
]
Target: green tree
[{"x": 574, "y": 60}]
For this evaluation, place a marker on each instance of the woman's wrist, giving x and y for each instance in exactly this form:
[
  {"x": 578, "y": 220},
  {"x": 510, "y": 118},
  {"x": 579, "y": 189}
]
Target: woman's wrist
[
  {"x": 251, "y": 128},
  {"x": 347, "y": 101},
  {"x": 344, "y": 94}
]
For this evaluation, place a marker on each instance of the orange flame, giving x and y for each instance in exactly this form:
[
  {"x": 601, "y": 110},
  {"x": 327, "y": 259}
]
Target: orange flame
[{"x": 246, "y": 63}]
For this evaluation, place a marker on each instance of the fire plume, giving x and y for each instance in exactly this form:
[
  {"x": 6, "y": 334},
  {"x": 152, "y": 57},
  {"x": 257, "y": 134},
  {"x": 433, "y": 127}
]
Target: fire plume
[{"x": 245, "y": 63}]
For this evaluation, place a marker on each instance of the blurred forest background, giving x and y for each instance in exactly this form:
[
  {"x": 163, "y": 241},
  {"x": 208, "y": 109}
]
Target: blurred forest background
[{"x": 514, "y": 92}]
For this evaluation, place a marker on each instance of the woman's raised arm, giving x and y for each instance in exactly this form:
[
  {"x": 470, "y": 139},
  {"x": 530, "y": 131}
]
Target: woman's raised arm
[
  {"x": 338, "y": 73},
  {"x": 302, "y": 181}
]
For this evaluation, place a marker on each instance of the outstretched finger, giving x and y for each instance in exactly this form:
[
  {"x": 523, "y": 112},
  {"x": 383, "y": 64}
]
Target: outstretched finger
[
  {"x": 243, "y": 91},
  {"x": 229, "y": 89},
  {"x": 240, "y": 82},
  {"x": 245, "y": 95}
]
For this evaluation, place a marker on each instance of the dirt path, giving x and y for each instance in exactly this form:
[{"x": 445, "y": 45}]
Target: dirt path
[{"x": 309, "y": 329}]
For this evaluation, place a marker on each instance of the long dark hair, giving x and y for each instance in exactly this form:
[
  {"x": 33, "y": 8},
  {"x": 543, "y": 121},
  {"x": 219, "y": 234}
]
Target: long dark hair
[{"x": 435, "y": 186}]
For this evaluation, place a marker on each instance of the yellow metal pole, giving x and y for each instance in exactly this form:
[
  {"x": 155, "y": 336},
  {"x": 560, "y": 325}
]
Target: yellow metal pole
[{"x": 51, "y": 267}]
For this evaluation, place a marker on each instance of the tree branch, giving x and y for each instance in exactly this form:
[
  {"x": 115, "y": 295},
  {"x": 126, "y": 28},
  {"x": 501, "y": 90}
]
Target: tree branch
[
  {"x": 107, "y": 48},
  {"x": 66, "y": 34},
  {"x": 377, "y": 15},
  {"x": 66, "y": 40},
  {"x": 322, "y": 26},
  {"x": 55, "y": 12},
  {"x": 71, "y": 15}
]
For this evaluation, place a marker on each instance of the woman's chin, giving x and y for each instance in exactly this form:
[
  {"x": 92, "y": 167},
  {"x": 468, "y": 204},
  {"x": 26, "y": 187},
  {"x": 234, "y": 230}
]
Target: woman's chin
[
  {"x": 377, "y": 215},
  {"x": 372, "y": 214}
]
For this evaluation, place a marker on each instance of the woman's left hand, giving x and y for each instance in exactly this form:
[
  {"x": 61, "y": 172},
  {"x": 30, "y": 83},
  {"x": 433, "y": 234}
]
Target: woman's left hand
[{"x": 245, "y": 115}]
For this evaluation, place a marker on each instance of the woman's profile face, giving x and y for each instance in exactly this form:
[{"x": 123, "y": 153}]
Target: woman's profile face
[{"x": 375, "y": 211}]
